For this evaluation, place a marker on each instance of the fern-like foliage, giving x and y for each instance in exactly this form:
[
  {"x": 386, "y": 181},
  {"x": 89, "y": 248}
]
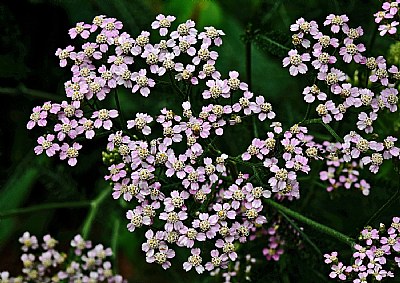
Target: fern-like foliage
[{"x": 274, "y": 43}]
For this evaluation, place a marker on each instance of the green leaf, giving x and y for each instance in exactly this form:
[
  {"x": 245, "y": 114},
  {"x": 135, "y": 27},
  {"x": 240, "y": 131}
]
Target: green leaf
[
  {"x": 272, "y": 43},
  {"x": 15, "y": 192}
]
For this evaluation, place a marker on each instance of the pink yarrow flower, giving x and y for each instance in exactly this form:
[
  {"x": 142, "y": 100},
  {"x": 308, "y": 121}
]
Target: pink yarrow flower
[
  {"x": 143, "y": 83},
  {"x": 388, "y": 28},
  {"x": 352, "y": 51},
  {"x": 46, "y": 144},
  {"x": 81, "y": 29},
  {"x": 64, "y": 54},
  {"x": 296, "y": 61},
  {"x": 38, "y": 117},
  {"x": 304, "y": 27},
  {"x": 162, "y": 23},
  {"x": 70, "y": 152},
  {"x": 103, "y": 118},
  {"x": 336, "y": 22},
  {"x": 195, "y": 261},
  {"x": 141, "y": 123}
]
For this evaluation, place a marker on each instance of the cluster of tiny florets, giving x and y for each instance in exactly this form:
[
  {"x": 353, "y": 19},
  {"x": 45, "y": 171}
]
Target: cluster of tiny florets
[
  {"x": 42, "y": 262},
  {"x": 376, "y": 255},
  {"x": 182, "y": 191},
  {"x": 388, "y": 18}
]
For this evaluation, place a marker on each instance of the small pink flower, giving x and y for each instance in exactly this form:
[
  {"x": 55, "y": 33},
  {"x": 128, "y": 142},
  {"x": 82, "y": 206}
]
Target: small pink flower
[
  {"x": 211, "y": 35},
  {"x": 143, "y": 83},
  {"x": 163, "y": 23},
  {"x": 103, "y": 118},
  {"x": 312, "y": 92},
  {"x": 64, "y": 54},
  {"x": 216, "y": 89},
  {"x": 336, "y": 22},
  {"x": 80, "y": 29},
  {"x": 38, "y": 117},
  {"x": 116, "y": 172},
  {"x": 365, "y": 121},
  {"x": 322, "y": 60},
  {"x": 304, "y": 27},
  {"x": 388, "y": 28},
  {"x": 352, "y": 51},
  {"x": 296, "y": 61},
  {"x": 141, "y": 123},
  {"x": 195, "y": 261},
  {"x": 70, "y": 152},
  {"x": 263, "y": 108},
  {"x": 46, "y": 144}
]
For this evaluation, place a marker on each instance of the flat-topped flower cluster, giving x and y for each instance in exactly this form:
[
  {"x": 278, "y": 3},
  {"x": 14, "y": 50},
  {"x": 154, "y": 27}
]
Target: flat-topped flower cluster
[
  {"x": 343, "y": 98},
  {"x": 388, "y": 17},
  {"x": 42, "y": 262},
  {"x": 201, "y": 207},
  {"x": 183, "y": 191},
  {"x": 375, "y": 256}
]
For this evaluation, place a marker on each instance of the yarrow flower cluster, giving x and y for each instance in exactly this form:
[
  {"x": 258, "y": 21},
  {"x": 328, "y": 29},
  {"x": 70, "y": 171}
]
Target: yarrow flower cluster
[
  {"x": 388, "y": 18},
  {"x": 341, "y": 174},
  {"x": 184, "y": 192},
  {"x": 42, "y": 262},
  {"x": 376, "y": 255},
  {"x": 142, "y": 168},
  {"x": 345, "y": 98}
]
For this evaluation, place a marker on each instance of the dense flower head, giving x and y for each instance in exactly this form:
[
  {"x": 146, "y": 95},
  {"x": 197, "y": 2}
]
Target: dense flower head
[
  {"x": 374, "y": 252},
  {"x": 183, "y": 191},
  {"x": 45, "y": 263}
]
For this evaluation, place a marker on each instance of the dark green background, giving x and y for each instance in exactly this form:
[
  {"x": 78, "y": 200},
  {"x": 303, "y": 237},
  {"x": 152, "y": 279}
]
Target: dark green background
[{"x": 31, "y": 31}]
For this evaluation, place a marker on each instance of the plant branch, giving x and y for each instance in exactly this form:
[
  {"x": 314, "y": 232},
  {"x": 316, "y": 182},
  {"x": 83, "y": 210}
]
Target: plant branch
[
  {"x": 388, "y": 203},
  {"x": 94, "y": 207},
  {"x": 33, "y": 93},
  {"x": 114, "y": 242},
  {"x": 121, "y": 116},
  {"x": 42, "y": 207},
  {"x": 329, "y": 128},
  {"x": 317, "y": 226},
  {"x": 298, "y": 229},
  {"x": 175, "y": 86}
]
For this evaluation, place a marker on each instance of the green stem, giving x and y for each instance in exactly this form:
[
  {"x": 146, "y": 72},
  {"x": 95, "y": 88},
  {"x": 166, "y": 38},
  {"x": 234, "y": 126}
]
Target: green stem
[
  {"x": 329, "y": 128},
  {"x": 307, "y": 113},
  {"x": 121, "y": 116},
  {"x": 317, "y": 226},
  {"x": 42, "y": 207},
  {"x": 332, "y": 132},
  {"x": 388, "y": 203},
  {"x": 114, "y": 242},
  {"x": 311, "y": 121},
  {"x": 298, "y": 229},
  {"x": 32, "y": 93},
  {"x": 175, "y": 86},
  {"x": 94, "y": 207}
]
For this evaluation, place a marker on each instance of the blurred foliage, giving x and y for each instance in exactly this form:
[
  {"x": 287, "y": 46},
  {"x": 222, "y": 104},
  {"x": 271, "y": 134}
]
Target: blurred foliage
[{"x": 32, "y": 30}]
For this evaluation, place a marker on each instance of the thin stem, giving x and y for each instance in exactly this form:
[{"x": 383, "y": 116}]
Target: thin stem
[
  {"x": 248, "y": 60},
  {"x": 248, "y": 73},
  {"x": 94, "y": 207},
  {"x": 307, "y": 113},
  {"x": 332, "y": 132},
  {"x": 329, "y": 128},
  {"x": 298, "y": 229},
  {"x": 42, "y": 207},
  {"x": 311, "y": 121},
  {"x": 114, "y": 242},
  {"x": 317, "y": 226},
  {"x": 33, "y": 93},
  {"x": 121, "y": 116},
  {"x": 388, "y": 203},
  {"x": 175, "y": 86}
]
